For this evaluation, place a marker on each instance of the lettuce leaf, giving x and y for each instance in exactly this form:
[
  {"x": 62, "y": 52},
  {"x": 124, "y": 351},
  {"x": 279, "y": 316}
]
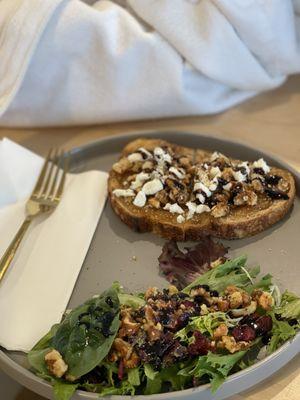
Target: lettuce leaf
[
  {"x": 214, "y": 367},
  {"x": 232, "y": 272},
  {"x": 281, "y": 332},
  {"x": 206, "y": 324},
  {"x": 290, "y": 306},
  {"x": 63, "y": 390}
]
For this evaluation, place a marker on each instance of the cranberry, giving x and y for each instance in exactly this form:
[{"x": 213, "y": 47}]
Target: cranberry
[
  {"x": 263, "y": 324},
  {"x": 201, "y": 345},
  {"x": 121, "y": 370},
  {"x": 243, "y": 332},
  {"x": 188, "y": 304}
]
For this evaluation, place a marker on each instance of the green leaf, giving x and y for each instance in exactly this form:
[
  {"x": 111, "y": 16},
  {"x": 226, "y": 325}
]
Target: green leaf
[
  {"x": 264, "y": 283},
  {"x": 149, "y": 372},
  {"x": 134, "y": 376},
  {"x": 229, "y": 273},
  {"x": 125, "y": 389},
  {"x": 153, "y": 386},
  {"x": 281, "y": 332},
  {"x": 131, "y": 300},
  {"x": 79, "y": 337},
  {"x": 290, "y": 306},
  {"x": 206, "y": 324},
  {"x": 63, "y": 390},
  {"x": 215, "y": 367}
]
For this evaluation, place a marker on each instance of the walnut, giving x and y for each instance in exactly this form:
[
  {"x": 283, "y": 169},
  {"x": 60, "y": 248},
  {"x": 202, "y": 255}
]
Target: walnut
[
  {"x": 245, "y": 197},
  {"x": 128, "y": 325},
  {"x": 227, "y": 174},
  {"x": 154, "y": 202},
  {"x": 123, "y": 349},
  {"x": 220, "y": 210},
  {"x": 132, "y": 362},
  {"x": 148, "y": 165},
  {"x": 122, "y": 166},
  {"x": 185, "y": 162},
  {"x": 264, "y": 299},
  {"x": 153, "y": 333},
  {"x": 231, "y": 345},
  {"x": 283, "y": 185},
  {"x": 246, "y": 298},
  {"x": 235, "y": 299},
  {"x": 150, "y": 315},
  {"x": 162, "y": 197},
  {"x": 223, "y": 305},
  {"x": 257, "y": 186},
  {"x": 151, "y": 292},
  {"x": 220, "y": 331},
  {"x": 55, "y": 363}
]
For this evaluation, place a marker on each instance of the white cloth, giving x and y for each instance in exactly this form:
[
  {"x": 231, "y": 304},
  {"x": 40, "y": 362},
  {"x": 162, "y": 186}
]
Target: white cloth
[
  {"x": 36, "y": 288},
  {"x": 65, "y": 62}
]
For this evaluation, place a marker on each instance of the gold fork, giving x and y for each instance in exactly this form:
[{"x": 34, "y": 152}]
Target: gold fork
[{"x": 44, "y": 198}]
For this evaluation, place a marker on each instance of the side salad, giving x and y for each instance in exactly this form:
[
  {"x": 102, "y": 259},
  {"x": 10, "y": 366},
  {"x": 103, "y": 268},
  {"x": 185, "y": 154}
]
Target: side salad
[{"x": 161, "y": 341}]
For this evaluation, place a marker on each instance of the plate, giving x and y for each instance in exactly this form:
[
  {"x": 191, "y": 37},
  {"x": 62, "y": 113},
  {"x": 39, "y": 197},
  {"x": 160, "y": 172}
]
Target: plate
[{"x": 117, "y": 253}]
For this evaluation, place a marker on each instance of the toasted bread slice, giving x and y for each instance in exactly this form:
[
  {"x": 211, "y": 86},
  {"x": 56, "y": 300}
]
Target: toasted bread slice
[{"x": 240, "y": 220}]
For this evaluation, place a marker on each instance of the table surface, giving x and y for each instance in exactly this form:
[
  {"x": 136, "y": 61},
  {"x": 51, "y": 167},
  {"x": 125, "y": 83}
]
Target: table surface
[{"x": 270, "y": 121}]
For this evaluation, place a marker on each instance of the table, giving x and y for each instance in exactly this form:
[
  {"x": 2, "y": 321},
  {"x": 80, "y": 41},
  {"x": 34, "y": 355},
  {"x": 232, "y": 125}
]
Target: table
[{"x": 270, "y": 121}]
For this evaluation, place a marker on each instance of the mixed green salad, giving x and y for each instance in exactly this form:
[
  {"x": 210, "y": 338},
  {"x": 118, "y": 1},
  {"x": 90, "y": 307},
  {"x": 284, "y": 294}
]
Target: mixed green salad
[{"x": 161, "y": 341}]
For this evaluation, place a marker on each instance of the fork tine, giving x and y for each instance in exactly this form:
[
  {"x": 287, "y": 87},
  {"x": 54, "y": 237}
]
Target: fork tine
[
  {"x": 63, "y": 178},
  {"x": 60, "y": 156},
  {"x": 48, "y": 176},
  {"x": 42, "y": 175}
]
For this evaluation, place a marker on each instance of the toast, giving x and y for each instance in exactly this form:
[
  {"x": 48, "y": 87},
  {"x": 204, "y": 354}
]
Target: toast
[{"x": 184, "y": 194}]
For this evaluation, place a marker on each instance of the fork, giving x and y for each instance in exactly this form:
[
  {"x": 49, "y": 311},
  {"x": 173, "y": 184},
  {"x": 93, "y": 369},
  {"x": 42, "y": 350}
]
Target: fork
[{"x": 44, "y": 198}]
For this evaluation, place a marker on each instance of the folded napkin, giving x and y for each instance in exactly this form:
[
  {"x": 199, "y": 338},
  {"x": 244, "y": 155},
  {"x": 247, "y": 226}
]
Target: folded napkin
[
  {"x": 90, "y": 61},
  {"x": 36, "y": 289}
]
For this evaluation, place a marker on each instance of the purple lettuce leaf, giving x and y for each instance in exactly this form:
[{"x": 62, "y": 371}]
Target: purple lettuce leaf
[{"x": 183, "y": 267}]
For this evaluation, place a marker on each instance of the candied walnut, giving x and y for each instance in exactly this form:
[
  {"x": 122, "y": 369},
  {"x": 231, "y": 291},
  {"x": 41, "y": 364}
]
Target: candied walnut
[
  {"x": 153, "y": 332},
  {"x": 123, "y": 349},
  {"x": 223, "y": 305},
  {"x": 154, "y": 202},
  {"x": 229, "y": 343},
  {"x": 150, "y": 315},
  {"x": 128, "y": 325},
  {"x": 133, "y": 361},
  {"x": 264, "y": 299},
  {"x": 283, "y": 185},
  {"x": 148, "y": 165},
  {"x": 231, "y": 289},
  {"x": 151, "y": 292},
  {"x": 227, "y": 174},
  {"x": 222, "y": 197},
  {"x": 55, "y": 363},
  {"x": 122, "y": 166},
  {"x": 245, "y": 197},
  {"x": 257, "y": 186},
  {"x": 235, "y": 299},
  {"x": 162, "y": 197},
  {"x": 220, "y": 210},
  {"x": 246, "y": 298},
  {"x": 220, "y": 331},
  {"x": 185, "y": 162}
]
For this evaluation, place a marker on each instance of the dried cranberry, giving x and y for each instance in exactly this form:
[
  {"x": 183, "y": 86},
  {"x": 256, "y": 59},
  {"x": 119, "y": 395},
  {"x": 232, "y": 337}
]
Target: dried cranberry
[
  {"x": 199, "y": 299},
  {"x": 276, "y": 194},
  {"x": 266, "y": 339},
  {"x": 214, "y": 293},
  {"x": 243, "y": 332},
  {"x": 188, "y": 304},
  {"x": 259, "y": 171},
  {"x": 263, "y": 324},
  {"x": 201, "y": 345}
]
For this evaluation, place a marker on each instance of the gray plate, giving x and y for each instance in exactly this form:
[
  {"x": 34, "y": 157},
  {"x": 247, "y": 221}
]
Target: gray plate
[{"x": 110, "y": 258}]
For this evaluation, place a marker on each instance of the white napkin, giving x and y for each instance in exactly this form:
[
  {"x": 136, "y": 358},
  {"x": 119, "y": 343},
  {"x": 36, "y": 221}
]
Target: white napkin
[
  {"x": 77, "y": 62},
  {"x": 36, "y": 289}
]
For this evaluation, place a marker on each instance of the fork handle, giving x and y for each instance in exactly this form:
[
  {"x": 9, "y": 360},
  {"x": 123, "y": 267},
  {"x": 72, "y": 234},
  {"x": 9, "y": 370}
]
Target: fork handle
[{"x": 13, "y": 247}]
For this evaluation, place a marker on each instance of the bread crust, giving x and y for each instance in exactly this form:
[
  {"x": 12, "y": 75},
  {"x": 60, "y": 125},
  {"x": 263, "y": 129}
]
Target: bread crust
[{"x": 243, "y": 222}]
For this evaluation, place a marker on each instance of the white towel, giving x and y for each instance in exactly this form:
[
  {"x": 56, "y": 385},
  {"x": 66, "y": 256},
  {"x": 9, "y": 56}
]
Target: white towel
[
  {"x": 66, "y": 62},
  {"x": 36, "y": 288}
]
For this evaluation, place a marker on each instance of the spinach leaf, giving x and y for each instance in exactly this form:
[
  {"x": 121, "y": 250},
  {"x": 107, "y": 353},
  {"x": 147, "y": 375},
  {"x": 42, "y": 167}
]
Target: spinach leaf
[{"x": 86, "y": 335}]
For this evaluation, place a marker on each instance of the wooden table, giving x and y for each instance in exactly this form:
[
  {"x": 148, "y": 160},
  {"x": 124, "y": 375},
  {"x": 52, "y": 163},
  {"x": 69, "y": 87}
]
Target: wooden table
[{"x": 270, "y": 122}]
